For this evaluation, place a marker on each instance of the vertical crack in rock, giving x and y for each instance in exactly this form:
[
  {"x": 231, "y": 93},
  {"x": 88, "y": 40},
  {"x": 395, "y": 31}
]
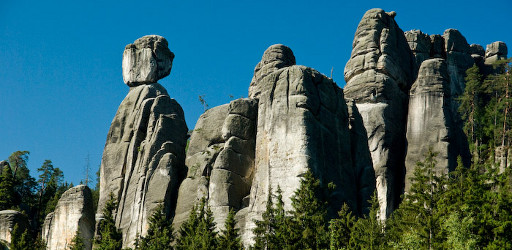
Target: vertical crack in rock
[
  {"x": 378, "y": 75},
  {"x": 143, "y": 159}
]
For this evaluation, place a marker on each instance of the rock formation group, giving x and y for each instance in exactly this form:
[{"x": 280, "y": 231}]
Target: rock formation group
[{"x": 400, "y": 100}]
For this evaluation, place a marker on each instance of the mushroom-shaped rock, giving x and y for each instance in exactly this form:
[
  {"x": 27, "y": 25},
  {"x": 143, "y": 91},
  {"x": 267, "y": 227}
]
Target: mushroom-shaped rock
[
  {"x": 275, "y": 57},
  {"x": 146, "y": 61}
]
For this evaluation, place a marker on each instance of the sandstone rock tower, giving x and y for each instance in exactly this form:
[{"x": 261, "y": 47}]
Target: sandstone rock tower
[
  {"x": 143, "y": 159},
  {"x": 73, "y": 213},
  {"x": 294, "y": 120}
]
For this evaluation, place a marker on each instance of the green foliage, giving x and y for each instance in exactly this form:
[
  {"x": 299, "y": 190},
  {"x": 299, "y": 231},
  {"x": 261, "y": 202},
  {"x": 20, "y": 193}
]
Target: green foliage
[
  {"x": 7, "y": 195},
  {"x": 368, "y": 231},
  {"x": 77, "y": 243},
  {"x": 229, "y": 238},
  {"x": 20, "y": 240},
  {"x": 24, "y": 184},
  {"x": 198, "y": 232},
  {"x": 109, "y": 237},
  {"x": 341, "y": 228},
  {"x": 309, "y": 214},
  {"x": 160, "y": 233}
]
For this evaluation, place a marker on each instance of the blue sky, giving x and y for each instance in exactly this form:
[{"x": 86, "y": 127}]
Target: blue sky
[{"x": 60, "y": 61}]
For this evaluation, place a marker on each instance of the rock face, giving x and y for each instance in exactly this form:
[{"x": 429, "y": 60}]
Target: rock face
[
  {"x": 495, "y": 51},
  {"x": 458, "y": 59},
  {"x": 74, "y": 212},
  {"x": 147, "y": 60},
  {"x": 295, "y": 120},
  {"x": 378, "y": 75},
  {"x": 432, "y": 123},
  {"x": 220, "y": 160},
  {"x": 420, "y": 45},
  {"x": 9, "y": 218},
  {"x": 143, "y": 159}
]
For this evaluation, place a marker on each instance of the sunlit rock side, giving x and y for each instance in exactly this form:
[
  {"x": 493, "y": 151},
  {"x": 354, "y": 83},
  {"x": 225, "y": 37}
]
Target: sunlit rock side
[
  {"x": 220, "y": 161},
  {"x": 379, "y": 74},
  {"x": 302, "y": 124},
  {"x": 73, "y": 213},
  {"x": 431, "y": 123},
  {"x": 143, "y": 159},
  {"x": 9, "y": 218}
]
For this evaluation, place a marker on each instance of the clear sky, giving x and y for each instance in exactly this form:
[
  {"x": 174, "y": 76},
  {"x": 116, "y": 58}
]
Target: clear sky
[{"x": 60, "y": 61}]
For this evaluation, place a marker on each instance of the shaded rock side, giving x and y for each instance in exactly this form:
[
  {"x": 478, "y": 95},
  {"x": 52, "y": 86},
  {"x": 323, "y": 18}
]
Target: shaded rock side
[
  {"x": 73, "y": 213},
  {"x": 8, "y": 219},
  {"x": 432, "y": 122},
  {"x": 143, "y": 159},
  {"x": 220, "y": 161},
  {"x": 147, "y": 60},
  {"x": 458, "y": 60},
  {"x": 302, "y": 125},
  {"x": 378, "y": 75},
  {"x": 420, "y": 45},
  {"x": 361, "y": 158}
]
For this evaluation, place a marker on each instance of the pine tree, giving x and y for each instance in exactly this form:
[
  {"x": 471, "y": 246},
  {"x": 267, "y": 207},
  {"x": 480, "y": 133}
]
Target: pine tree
[
  {"x": 77, "y": 243},
  {"x": 198, "y": 232},
  {"x": 160, "y": 232},
  {"x": 368, "y": 231},
  {"x": 264, "y": 231},
  {"x": 309, "y": 214},
  {"x": 20, "y": 240},
  {"x": 229, "y": 239},
  {"x": 470, "y": 107},
  {"x": 7, "y": 195},
  {"x": 340, "y": 228},
  {"x": 110, "y": 238}
]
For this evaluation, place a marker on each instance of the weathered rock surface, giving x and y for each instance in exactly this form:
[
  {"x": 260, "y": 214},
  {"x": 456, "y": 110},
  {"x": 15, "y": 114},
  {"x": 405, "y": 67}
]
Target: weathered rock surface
[
  {"x": 8, "y": 219},
  {"x": 220, "y": 160},
  {"x": 74, "y": 212},
  {"x": 478, "y": 54},
  {"x": 420, "y": 45},
  {"x": 495, "y": 51},
  {"x": 379, "y": 75},
  {"x": 302, "y": 125},
  {"x": 143, "y": 159},
  {"x": 458, "y": 59},
  {"x": 437, "y": 49},
  {"x": 361, "y": 158},
  {"x": 147, "y": 60},
  {"x": 432, "y": 123}
]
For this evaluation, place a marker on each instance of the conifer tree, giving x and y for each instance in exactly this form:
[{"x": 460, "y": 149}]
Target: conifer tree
[
  {"x": 6, "y": 188},
  {"x": 264, "y": 230},
  {"x": 340, "y": 228},
  {"x": 20, "y": 240},
  {"x": 198, "y": 232},
  {"x": 110, "y": 238},
  {"x": 368, "y": 231},
  {"x": 77, "y": 243},
  {"x": 160, "y": 233},
  {"x": 309, "y": 214},
  {"x": 229, "y": 239}
]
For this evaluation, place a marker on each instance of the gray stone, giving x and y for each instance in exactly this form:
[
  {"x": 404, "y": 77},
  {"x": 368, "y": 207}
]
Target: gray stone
[
  {"x": 73, "y": 213},
  {"x": 420, "y": 45},
  {"x": 361, "y": 158},
  {"x": 147, "y": 60},
  {"x": 458, "y": 59},
  {"x": 220, "y": 160},
  {"x": 379, "y": 75},
  {"x": 302, "y": 125},
  {"x": 432, "y": 122},
  {"x": 275, "y": 57},
  {"x": 143, "y": 159},
  {"x": 8, "y": 219},
  {"x": 437, "y": 50},
  {"x": 478, "y": 55},
  {"x": 495, "y": 51}
]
